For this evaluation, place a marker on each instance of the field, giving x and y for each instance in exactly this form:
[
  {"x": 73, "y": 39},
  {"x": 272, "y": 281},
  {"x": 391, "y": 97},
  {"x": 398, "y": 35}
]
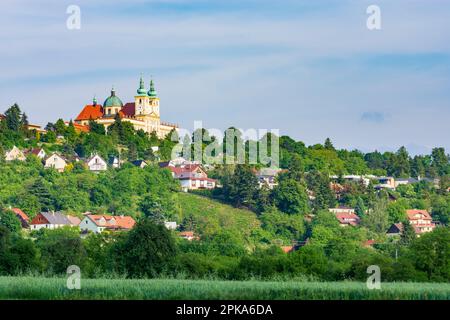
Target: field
[{"x": 168, "y": 289}]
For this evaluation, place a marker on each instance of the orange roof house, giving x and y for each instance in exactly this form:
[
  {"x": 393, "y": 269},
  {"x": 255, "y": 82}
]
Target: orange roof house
[
  {"x": 347, "y": 218},
  {"x": 421, "y": 220},
  {"x": 98, "y": 223},
  {"x": 24, "y": 219}
]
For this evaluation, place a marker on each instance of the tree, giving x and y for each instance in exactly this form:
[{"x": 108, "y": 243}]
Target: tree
[
  {"x": 440, "y": 161},
  {"x": 9, "y": 220},
  {"x": 328, "y": 144},
  {"x": 377, "y": 218},
  {"x": 61, "y": 248},
  {"x": 146, "y": 250},
  {"x": 408, "y": 235},
  {"x": 40, "y": 190},
  {"x": 97, "y": 128},
  {"x": 14, "y": 118},
  {"x": 60, "y": 127},
  {"x": 431, "y": 254},
  {"x": 290, "y": 196},
  {"x": 242, "y": 187},
  {"x": 284, "y": 226},
  {"x": 360, "y": 207}
]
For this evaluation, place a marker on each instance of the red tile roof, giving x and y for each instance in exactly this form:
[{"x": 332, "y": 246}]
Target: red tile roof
[
  {"x": 128, "y": 109},
  {"x": 121, "y": 222},
  {"x": 20, "y": 213},
  {"x": 413, "y": 212},
  {"x": 347, "y": 218},
  {"x": 90, "y": 112}
]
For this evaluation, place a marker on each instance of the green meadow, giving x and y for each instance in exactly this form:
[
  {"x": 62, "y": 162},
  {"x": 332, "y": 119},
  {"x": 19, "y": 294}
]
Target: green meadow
[{"x": 173, "y": 289}]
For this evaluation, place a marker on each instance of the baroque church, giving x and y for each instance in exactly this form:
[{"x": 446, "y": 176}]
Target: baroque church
[{"x": 143, "y": 113}]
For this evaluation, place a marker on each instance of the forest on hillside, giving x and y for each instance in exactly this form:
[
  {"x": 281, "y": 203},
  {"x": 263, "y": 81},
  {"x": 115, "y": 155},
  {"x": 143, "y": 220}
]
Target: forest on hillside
[{"x": 230, "y": 247}]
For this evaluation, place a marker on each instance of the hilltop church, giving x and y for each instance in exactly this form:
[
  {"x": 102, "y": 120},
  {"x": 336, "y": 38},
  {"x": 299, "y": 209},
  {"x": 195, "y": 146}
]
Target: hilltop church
[{"x": 143, "y": 113}]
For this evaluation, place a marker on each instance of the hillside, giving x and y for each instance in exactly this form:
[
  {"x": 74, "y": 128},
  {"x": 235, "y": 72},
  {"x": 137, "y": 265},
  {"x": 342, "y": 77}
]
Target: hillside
[{"x": 211, "y": 216}]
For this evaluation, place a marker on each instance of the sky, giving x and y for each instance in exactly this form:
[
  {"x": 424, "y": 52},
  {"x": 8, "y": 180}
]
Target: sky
[{"x": 311, "y": 69}]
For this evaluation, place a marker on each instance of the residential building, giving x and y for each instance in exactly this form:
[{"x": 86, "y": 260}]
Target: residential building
[
  {"x": 421, "y": 221},
  {"x": 140, "y": 163},
  {"x": 38, "y": 152},
  {"x": 353, "y": 178},
  {"x": 56, "y": 161},
  {"x": 36, "y": 127},
  {"x": 347, "y": 218},
  {"x": 96, "y": 163},
  {"x": 23, "y": 218},
  {"x": 15, "y": 154},
  {"x": 385, "y": 183},
  {"x": 189, "y": 235},
  {"x": 74, "y": 221},
  {"x": 268, "y": 177},
  {"x": 191, "y": 176},
  {"x": 170, "y": 225},
  {"x": 142, "y": 114},
  {"x": 49, "y": 220},
  {"x": 395, "y": 229},
  {"x": 100, "y": 223}
]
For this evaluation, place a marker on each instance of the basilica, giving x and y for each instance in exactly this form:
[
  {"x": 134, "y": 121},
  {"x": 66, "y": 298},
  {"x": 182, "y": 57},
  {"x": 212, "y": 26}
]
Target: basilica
[{"x": 143, "y": 113}]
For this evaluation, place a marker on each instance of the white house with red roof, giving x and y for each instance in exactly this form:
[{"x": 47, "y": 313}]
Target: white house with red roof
[
  {"x": 421, "y": 221},
  {"x": 346, "y": 216},
  {"x": 100, "y": 223},
  {"x": 191, "y": 177}
]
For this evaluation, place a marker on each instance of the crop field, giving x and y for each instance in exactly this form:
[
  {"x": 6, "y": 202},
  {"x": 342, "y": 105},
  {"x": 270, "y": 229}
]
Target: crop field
[{"x": 172, "y": 289}]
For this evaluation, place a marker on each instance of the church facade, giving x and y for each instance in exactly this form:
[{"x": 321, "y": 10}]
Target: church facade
[{"x": 143, "y": 113}]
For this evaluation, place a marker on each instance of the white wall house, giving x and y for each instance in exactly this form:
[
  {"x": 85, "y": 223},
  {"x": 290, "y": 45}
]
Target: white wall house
[
  {"x": 56, "y": 162},
  {"x": 15, "y": 154},
  {"x": 98, "y": 223},
  {"x": 96, "y": 163}
]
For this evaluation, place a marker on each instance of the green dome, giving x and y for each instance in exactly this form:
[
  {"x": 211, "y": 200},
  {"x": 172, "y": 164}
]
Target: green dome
[
  {"x": 141, "y": 91},
  {"x": 113, "y": 101},
  {"x": 152, "y": 92}
]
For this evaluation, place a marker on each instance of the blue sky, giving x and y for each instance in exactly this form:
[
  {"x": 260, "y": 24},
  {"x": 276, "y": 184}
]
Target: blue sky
[{"x": 309, "y": 68}]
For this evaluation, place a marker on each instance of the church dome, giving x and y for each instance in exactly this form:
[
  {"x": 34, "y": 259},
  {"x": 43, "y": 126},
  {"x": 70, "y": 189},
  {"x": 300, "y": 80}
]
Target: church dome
[{"x": 113, "y": 100}]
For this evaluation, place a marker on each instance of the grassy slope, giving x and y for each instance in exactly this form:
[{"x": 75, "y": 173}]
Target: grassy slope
[
  {"x": 55, "y": 288},
  {"x": 212, "y": 216}
]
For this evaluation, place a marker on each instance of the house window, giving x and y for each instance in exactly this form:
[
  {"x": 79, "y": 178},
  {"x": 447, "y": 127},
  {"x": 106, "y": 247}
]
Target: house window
[{"x": 109, "y": 111}]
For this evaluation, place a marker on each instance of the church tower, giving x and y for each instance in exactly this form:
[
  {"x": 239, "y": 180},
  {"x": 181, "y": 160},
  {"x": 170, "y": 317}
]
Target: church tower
[
  {"x": 141, "y": 100},
  {"x": 147, "y": 107}
]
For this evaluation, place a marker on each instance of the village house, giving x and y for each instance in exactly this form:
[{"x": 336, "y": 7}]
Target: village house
[
  {"x": 385, "y": 183},
  {"x": 189, "y": 235},
  {"x": 268, "y": 177},
  {"x": 99, "y": 223},
  {"x": 421, "y": 221},
  {"x": 191, "y": 176},
  {"x": 352, "y": 178},
  {"x": 96, "y": 163},
  {"x": 38, "y": 152},
  {"x": 170, "y": 225},
  {"x": 56, "y": 162},
  {"x": 139, "y": 163},
  {"x": 50, "y": 220},
  {"x": 346, "y": 216},
  {"x": 114, "y": 162},
  {"x": 23, "y": 218},
  {"x": 396, "y": 229},
  {"x": 15, "y": 154}
]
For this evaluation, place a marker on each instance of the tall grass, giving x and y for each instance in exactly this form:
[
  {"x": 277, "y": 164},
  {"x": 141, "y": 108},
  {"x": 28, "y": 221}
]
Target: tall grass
[{"x": 170, "y": 289}]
